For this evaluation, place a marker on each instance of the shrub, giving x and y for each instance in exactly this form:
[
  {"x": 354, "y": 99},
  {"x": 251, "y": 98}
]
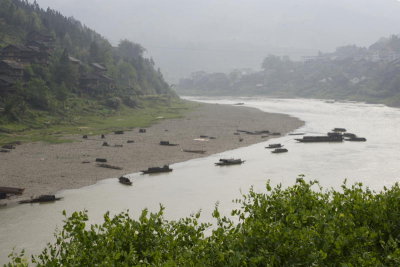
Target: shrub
[{"x": 302, "y": 225}]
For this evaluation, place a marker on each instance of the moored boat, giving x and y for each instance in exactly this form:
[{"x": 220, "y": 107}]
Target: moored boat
[
  {"x": 331, "y": 137},
  {"x": 274, "y": 146},
  {"x": 339, "y": 130},
  {"x": 226, "y": 162},
  {"x": 194, "y": 151},
  {"x": 167, "y": 143},
  {"x": 41, "y": 199},
  {"x": 150, "y": 170},
  {"x": 280, "y": 150},
  {"x": 124, "y": 180}
]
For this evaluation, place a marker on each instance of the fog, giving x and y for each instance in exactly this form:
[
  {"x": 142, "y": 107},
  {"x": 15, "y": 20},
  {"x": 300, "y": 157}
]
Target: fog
[{"x": 220, "y": 35}]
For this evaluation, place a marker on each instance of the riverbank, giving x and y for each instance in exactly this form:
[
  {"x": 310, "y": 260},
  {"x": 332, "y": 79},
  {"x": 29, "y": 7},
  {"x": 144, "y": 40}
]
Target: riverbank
[{"x": 43, "y": 168}]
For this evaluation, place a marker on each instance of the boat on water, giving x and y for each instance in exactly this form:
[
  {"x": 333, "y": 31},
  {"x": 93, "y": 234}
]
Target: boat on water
[
  {"x": 226, "y": 162},
  {"x": 124, "y": 180},
  {"x": 339, "y": 130},
  {"x": 330, "y": 137},
  {"x": 274, "y": 146},
  {"x": 194, "y": 151},
  {"x": 150, "y": 170},
  {"x": 41, "y": 199},
  {"x": 279, "y": 150}
]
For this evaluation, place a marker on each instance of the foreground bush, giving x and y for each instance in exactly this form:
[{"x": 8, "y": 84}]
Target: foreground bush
[{"x": 302, "y": 225}]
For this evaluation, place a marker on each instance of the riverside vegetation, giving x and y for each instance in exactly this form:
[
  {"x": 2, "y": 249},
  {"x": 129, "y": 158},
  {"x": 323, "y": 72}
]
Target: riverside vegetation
[
  {"x": 56, "y": 72},
  {"x": 302, "y": 225}
]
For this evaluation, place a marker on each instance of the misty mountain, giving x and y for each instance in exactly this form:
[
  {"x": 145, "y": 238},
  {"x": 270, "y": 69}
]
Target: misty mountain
[
  {"x": 349, "y": 73},
  {"x": 185, "y": 36}
]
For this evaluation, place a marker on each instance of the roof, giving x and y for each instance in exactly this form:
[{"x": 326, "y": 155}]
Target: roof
[
  {"x": 98, "y": 66},
  {"x": 12, "y": 64},
  {"x": 74, "y": 60},
  {"x": 18, "y": 47}
]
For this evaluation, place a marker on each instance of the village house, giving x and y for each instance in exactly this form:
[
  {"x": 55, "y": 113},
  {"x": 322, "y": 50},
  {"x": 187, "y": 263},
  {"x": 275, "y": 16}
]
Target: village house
[{"x": 11, "y": 69}]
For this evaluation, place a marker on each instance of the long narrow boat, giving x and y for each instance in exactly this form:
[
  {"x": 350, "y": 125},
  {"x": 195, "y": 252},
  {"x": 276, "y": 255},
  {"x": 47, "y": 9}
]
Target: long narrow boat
[
  {"x": 331, "y": 137},
  {"x": 151, "y": 170},
  {"x": 194, "y": 151},
  {"x": 274, "y": 146},
  {"x": 280, "y": 150},
  {"x": 227, "y": 162},
  {"x": 41, "y": 199},
  {"x": 11, "y": 190}
]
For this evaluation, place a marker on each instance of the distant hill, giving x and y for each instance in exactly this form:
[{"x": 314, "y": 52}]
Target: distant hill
[
  {"x": 355, "y": 73},
  {"x": 51, "y": 64}
]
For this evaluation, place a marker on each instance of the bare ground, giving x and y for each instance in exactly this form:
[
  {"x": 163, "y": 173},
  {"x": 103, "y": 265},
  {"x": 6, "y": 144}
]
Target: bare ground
[{"x": 43, "y": 168}]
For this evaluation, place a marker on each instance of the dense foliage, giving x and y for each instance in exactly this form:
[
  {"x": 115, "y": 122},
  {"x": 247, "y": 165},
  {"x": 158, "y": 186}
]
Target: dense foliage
[
  {"x": 353, "y": 73},
  {"x": 56, "y": 86},
  {"x": 302, "y": 225}
]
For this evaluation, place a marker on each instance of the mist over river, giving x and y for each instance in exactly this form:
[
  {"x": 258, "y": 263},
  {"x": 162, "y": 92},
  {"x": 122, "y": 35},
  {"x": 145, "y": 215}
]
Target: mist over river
[{"x": 198, "y": 184}]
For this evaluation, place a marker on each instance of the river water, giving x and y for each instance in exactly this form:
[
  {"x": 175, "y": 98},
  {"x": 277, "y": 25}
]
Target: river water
[{"x": 198, "y": 185}]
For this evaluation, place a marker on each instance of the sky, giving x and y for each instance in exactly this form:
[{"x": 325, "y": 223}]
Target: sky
[{"x": 221, "y": 35}]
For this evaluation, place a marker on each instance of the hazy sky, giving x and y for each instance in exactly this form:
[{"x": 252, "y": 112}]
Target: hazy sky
[{"x": 219, "y": 35}]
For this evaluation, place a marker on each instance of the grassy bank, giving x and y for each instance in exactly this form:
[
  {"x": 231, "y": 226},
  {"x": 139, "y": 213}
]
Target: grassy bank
[{"x": 93, "y": 120}]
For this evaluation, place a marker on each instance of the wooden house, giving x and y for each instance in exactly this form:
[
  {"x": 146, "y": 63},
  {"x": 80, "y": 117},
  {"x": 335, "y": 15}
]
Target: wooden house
[
  {"x": 11, "y": 69},
  {"x": 7, "y": 84},
  {"x": 47, "y": 39},
  {"x": 18, "y": 53}
]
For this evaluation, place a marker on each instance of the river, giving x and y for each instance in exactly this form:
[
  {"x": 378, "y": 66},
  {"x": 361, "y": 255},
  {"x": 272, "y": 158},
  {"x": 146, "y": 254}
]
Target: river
[{"x": 198, "y": 185}]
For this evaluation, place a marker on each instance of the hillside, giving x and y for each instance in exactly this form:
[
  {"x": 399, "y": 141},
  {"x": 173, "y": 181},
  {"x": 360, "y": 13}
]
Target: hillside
[
  {"x": 53, "y": 69},
  {"x": 350, "y": 73}
]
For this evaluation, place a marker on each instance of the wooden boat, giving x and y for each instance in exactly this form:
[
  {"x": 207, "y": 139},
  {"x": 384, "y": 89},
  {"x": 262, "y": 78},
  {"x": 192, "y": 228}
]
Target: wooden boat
[
  {"x": 150, "y": 170},
  {"x": 41, "y": 199},
  {"x": 167, "y": 143},
  {"x": 280, "y": 150},
  {"x": 331, "y": 137},
  {"x": 12, "y": 190},
  {"x": 274, "y": 146},
  {"x": 194, "y": 151},
  {"x": 227, "y": 162},
  {"x": 339, "y": 130},
  {"x": 124, "y": 180}
]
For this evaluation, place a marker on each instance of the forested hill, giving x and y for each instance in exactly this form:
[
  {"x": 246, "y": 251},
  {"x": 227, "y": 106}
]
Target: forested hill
[
  {"x": 52, "y": 64},
  {"x": 350, "y": 73}
]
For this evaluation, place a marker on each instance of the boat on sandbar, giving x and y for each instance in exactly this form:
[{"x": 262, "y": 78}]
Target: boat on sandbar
[
  {"x": 194, "y": 151},
  {"x": 167, "y": 143},
  {"x": 151, "y": 170}
]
